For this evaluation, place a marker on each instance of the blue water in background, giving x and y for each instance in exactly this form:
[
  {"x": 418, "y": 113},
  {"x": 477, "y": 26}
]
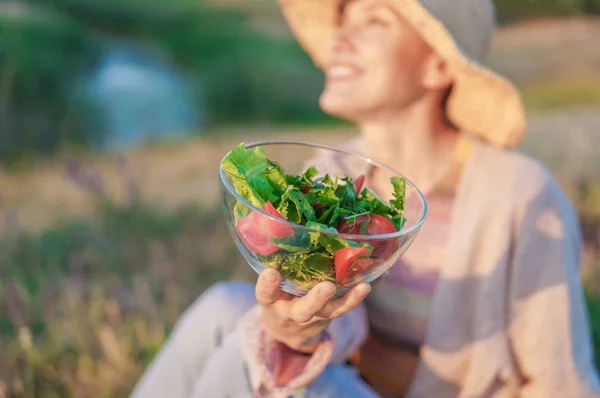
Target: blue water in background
[{"x": 139, "y": 98}]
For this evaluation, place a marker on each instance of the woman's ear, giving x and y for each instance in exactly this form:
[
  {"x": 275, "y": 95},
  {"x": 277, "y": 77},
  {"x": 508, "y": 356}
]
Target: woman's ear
[{"x": 437, "y": 74}]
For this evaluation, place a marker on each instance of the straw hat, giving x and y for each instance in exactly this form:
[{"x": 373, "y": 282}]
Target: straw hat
[{"x": 482, "y": 103}]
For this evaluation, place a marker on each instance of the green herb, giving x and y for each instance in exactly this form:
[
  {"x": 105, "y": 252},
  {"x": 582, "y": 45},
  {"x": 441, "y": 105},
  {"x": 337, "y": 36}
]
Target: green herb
[
  {"x": 397, "y": 203},
  {"x": 293, "y": 244}
]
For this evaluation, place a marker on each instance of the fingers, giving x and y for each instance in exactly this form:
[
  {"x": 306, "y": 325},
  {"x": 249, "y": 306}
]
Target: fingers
[
  {"x": 316, "y": 304},
  {"x": 339, "y": 306},
  {"x": 305, "y": 308},
  {"x": 267, "y": 287}
]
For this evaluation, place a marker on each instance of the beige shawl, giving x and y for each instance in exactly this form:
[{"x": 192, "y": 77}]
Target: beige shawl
[{"x": 509, "y": 316}]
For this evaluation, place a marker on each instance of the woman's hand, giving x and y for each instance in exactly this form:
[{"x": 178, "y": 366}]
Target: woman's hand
[{"x": 299, "y": 322}]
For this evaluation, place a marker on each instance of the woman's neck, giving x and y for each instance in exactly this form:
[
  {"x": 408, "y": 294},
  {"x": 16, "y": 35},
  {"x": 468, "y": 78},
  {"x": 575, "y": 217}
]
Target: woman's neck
[{"x": 417, "y": 142}]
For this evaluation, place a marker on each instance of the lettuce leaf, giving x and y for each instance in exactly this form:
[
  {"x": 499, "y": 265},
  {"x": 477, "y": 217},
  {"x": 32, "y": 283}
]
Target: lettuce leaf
[{"x": 255, "y": 177}]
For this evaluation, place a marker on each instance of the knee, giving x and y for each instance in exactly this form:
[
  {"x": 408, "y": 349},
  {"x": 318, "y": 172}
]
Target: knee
[
  {"x": 229, "y": 297},
  {"x": 222, "y": 303},
  {"x": 204, "y": 324}
]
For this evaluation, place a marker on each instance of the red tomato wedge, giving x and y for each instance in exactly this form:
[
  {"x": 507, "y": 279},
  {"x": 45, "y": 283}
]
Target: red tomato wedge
[
  {"x": 377, "y": 225},
  {"x": 256, "y": 230},
  {"x": 278, "y": 229},
  {"x": 349, "y": 262},
  {"x": 359, "y": 182}
]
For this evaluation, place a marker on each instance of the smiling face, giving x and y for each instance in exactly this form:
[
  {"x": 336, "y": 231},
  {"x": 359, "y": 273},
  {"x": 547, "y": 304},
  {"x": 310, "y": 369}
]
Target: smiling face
[{"x": 377, "y": 63}]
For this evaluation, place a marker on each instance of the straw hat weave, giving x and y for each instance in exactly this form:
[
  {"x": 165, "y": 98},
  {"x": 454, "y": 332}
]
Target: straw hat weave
[{"x": 482, "y": 102}]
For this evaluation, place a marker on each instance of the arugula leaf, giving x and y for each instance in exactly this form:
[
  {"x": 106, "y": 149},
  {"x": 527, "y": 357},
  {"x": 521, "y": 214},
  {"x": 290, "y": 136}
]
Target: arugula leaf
[
  {"x": 363, "y": 206},
  {"x": 300, "y": 181},
  {"x": 314, "y": 236},
  {"x": 293, "y": 180},
  {"x": 364, "y": 224},
  {"x": 331, "y": 243},
  {"x": 309, "y": 174},
  {"x": 332, "y": 213},
  {"x": 397, "y": 203},
  {"x": 318, "y": 261},
  {"x": 336, "y": 180},
  {"x": 325, "y": 180},
  {"x": 295, "y": 204},
  {"x": 398, "y": 220},
  {"x": 321, "y": 227},
  {"x": 307, "y": 269},
  {"x": 350, "y": 188},
  {"x": 399, "y": 184},
  {"x": 378, "y": 206},
  {"x": 324, "y": 195},
  {"x": 293, "y": 244},
  {"x": 302, "y": 204}
]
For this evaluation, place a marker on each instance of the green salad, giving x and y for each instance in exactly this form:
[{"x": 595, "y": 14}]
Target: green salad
[{"x": 327, "y": 205}]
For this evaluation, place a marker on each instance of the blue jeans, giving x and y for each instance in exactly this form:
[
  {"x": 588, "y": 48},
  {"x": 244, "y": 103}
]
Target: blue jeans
[{"x": 202, "y": 357}]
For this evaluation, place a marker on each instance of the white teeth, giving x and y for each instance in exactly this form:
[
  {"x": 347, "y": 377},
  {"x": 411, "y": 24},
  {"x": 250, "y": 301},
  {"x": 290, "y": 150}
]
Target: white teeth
[{"x": 341, "y": 71}]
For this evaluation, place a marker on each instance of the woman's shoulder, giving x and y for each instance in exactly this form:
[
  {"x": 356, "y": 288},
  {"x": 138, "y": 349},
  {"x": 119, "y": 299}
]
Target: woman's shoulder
[
  {"x": 526, "y": 175},
  {"x": 522, "y": 180},
  {"x": 508, "y": 183}
]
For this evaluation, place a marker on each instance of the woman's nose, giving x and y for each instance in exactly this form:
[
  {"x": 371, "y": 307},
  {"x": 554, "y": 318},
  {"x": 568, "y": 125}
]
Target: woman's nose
[{"x": 342, "y": 41}]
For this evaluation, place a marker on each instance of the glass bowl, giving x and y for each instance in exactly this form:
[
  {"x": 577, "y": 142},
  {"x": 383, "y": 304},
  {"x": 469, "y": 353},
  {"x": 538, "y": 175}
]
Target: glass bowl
[{"x": 354, "y": 248}]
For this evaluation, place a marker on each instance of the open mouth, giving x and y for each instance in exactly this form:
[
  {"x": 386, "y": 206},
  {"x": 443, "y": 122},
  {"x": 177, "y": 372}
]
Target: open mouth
[{"x": 343, "y": 71}]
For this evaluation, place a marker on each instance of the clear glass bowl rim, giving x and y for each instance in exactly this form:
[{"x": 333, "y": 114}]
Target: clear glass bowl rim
[{"x": 369, "y": 160}]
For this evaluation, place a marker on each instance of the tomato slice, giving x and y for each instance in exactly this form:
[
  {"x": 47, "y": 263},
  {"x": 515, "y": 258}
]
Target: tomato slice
[
  {"x": 269, "y": 208},
  {"x": 349, "y": 262},
  {"x": 256, "y": 230},
  {"x": 359, "y": 182},
  {"x": 377, "y": 225},
  {"x": 277, "y": 229}
]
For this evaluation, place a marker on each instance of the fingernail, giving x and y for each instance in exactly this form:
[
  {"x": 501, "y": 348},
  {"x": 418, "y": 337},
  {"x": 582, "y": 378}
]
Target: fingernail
[
  {"x": 326, "y": 291},
  {"x": 270, "y": 277}
]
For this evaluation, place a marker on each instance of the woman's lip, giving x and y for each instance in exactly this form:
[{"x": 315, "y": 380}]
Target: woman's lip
[{"x": 343, "y": 71}]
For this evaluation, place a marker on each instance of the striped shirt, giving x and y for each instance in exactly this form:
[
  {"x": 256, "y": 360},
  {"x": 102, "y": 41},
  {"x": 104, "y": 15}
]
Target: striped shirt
[{"x": 398, "y": 306}]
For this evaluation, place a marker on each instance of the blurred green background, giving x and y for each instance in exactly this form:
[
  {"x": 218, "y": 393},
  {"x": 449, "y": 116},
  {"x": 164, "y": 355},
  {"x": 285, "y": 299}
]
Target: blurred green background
[{"x": 113, "y": 117}]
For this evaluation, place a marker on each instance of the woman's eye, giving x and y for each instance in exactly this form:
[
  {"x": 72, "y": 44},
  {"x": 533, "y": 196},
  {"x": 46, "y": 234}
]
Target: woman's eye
[{"x": 376, "y": 21}]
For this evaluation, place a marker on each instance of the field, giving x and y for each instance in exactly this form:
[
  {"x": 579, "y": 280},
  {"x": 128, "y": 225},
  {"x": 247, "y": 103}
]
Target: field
[{"x": 99, "y": 254}]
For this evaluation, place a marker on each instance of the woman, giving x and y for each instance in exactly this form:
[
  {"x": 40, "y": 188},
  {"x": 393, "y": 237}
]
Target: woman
[{"x": 486, "y": 303}]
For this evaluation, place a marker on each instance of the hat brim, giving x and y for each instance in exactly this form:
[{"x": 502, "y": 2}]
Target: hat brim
[{"x": 482, "y": 103}]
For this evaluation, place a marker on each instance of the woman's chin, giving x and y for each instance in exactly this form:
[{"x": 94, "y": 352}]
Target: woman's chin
[{"x": 338, "y": 107}]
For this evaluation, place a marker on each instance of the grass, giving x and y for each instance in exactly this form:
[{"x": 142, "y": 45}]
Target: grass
[
  {"x": 562, "y": 93},
  {"x": 84, "y": 305}
]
